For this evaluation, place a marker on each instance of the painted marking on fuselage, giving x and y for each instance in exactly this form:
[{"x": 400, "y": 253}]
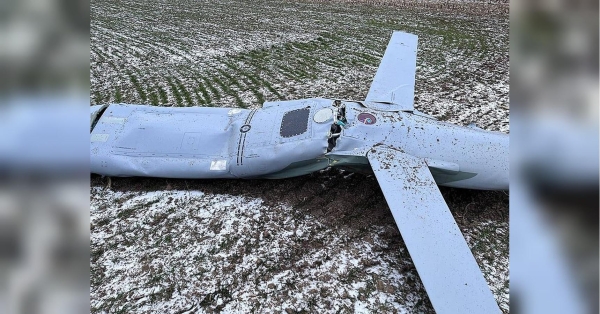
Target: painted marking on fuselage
[
  {"x": 242, "y": 140},
  {"x": 218, "y": 165}
]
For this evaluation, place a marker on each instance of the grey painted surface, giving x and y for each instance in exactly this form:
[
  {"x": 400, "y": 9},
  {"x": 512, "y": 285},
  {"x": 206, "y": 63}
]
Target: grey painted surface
[
  {"x": 451, "y": 149},
  {"x": 394, "y": 81},
  {"x": 408, "y": 151},
  {"x": 443, "y": 260},
  {"x": 136, "y": 140}
]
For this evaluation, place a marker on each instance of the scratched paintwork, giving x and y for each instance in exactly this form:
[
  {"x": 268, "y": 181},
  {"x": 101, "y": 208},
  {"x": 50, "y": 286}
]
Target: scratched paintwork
[
  {"x": 443, "y": 260},
  {"x": 410, "y": 153}
]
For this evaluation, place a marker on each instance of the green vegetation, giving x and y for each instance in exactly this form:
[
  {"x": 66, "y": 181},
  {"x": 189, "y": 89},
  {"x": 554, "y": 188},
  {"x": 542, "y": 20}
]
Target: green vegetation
[
  {"x": 187, "y": 255},
  {"x": 244, "y": 62}
]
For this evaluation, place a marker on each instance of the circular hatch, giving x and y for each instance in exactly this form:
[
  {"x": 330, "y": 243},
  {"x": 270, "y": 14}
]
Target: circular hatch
[{"x": 323, "y": 115}]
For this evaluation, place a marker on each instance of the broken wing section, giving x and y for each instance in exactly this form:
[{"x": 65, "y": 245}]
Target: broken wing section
[
  {"x": 394, "y": 81},
  {"x": 438, "y": 249}
]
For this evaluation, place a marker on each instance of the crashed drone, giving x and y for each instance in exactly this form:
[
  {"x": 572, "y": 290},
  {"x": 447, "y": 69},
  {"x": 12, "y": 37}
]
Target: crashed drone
[{"x": 409, "y": 152}]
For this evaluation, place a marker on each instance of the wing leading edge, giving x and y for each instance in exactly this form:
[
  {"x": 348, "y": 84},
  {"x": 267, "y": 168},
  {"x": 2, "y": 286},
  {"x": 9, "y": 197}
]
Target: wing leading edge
[
  {"x": 394, "y": 81},
  {"x": 438, "y": 249}
]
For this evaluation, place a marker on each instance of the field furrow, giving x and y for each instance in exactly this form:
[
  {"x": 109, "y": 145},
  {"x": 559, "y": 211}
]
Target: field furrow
[{"x": 324, "y": 243}]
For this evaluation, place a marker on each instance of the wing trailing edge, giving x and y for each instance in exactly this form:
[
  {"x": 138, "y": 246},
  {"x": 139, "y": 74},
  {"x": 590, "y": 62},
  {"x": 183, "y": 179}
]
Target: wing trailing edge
[{"x": 438, "y": 249}]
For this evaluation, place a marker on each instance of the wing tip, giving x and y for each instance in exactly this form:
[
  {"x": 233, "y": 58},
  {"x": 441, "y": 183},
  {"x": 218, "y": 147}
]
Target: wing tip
[{"x": 403, "y": 33}]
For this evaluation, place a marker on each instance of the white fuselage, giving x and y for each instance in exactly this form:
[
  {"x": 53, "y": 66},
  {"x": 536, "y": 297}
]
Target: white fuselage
[
  {"x": 286, "y": 139},
  {"x": 464, "y": 157}
]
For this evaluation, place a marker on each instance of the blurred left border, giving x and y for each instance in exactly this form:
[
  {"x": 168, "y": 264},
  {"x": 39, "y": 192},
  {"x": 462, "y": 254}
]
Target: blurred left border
[{"x": 44, "y": 156}]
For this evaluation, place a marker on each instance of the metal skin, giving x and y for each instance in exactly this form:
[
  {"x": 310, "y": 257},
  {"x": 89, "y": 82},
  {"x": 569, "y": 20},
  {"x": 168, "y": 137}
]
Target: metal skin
[
  {"x": 408, "y": 151},
  {"x": 136, "y": 140}
]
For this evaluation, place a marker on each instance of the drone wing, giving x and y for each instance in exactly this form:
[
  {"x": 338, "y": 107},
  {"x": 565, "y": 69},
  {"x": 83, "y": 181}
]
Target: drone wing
[
  {"x": 443, "y": 260},
  {"x": 394, "y": 81}
]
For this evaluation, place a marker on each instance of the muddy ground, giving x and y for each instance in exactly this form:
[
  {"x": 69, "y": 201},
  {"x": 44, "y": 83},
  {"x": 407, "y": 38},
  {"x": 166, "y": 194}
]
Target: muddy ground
[{"x": 325, "y": 242}]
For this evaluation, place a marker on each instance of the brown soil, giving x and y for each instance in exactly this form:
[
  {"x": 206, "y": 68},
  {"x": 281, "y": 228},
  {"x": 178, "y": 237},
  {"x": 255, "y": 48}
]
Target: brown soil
[{"x": 337, "y": 198}]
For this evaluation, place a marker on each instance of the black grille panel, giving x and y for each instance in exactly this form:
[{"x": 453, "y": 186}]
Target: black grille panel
[{"x": 294, "y": 122}]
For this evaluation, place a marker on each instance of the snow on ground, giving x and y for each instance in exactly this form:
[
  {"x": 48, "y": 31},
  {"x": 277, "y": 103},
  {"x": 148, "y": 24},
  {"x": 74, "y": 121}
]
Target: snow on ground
[
  {"x": 319, "y": 243},
  {"x": 171, "y": 250},
  {"x": 231, "y": 53},
  {"x": 185, "y": 249}
]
